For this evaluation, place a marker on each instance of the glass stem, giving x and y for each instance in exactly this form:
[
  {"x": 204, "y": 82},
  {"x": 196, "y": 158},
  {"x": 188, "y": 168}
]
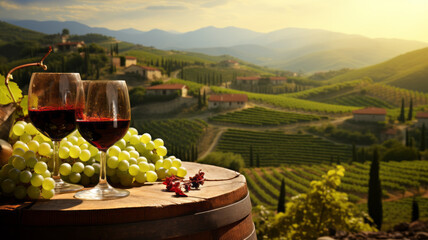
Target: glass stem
[
  {"x": 103, "y": 176},
  {"x": 56, "y": 160}
]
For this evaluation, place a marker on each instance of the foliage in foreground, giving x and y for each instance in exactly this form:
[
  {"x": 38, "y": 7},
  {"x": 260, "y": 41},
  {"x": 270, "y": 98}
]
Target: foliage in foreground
[{"x": 314, "y": 213}]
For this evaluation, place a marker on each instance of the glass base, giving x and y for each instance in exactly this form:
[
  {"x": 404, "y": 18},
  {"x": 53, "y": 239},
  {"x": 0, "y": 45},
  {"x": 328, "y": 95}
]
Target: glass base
[
  {"x": 63, "y": 187},
  {"x": 103, "y": 191}
]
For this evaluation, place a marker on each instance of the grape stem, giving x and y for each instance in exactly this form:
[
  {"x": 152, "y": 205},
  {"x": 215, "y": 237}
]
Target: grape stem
[{"x": 9, "y": 74}]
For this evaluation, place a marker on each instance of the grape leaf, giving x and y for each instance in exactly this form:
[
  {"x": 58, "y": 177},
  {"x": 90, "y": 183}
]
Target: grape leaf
[
  {"x": 24, "y": 105},
  {"x": 5, "y": 97}
]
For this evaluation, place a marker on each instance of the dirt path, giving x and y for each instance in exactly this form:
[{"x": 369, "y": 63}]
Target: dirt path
[{"x": 213, "y": 143}]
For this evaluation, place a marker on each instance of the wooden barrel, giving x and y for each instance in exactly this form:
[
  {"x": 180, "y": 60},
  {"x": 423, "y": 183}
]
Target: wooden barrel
[{"x": 218, "y": 210}]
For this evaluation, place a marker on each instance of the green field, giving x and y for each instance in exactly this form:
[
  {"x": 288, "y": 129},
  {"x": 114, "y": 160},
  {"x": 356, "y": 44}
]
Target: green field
[
  {"x": 264, "y": 184},
  {"x": 359, "y": 101},
  {"x": 258, "y": 116},
  {"x": 275, "y": 148}
]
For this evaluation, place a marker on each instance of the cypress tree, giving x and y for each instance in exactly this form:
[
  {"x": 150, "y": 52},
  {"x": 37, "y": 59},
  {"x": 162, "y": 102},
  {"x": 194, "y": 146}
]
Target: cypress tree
[
  {"x": 258, "y": 160},
  {"x": 402, "y": 118},
  {"x": 251, "y": 156},
  {"x": 410, "y": 115},
  {"x": 415, "y": 210},
  {"x": 281, "y": 198},
  {"x": 422, "y": 147},
  {"x": 374, "y": 201},
  {"x": 204, "y": 99}
]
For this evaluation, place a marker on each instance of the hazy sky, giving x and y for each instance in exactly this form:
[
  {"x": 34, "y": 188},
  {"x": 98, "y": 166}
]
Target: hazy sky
[{"x": 406, "y": 19}]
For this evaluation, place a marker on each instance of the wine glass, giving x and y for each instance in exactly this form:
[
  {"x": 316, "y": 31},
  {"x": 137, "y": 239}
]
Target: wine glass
[
  {"x": 52, "y": 101},
  {"x": 102, "y": 120}
]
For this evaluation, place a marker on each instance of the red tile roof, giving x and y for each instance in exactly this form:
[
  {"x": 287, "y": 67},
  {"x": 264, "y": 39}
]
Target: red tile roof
[
  {"x": 144, "y": 67},
  {"x": 167, "y": 86},
  {"x": 228, "y": 98},
  {"x": 370, "y": 111},
  {"x": 422, "y": 115},
  {"x": 130, "y": 57},
  {"x": 247, "y": 78}
]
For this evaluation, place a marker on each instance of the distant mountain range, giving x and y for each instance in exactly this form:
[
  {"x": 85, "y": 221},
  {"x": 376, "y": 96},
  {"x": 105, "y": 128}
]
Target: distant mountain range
[{"x": 295, "y": 49}]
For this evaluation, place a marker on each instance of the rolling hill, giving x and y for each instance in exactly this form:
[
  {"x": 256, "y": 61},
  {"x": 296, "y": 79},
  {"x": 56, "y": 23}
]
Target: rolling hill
[
  {"x": 295, "y": 49},
  {"x": 409, "y": 70}
]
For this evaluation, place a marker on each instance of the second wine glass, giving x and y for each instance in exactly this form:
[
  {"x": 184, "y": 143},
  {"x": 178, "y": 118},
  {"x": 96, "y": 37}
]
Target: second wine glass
[{"x": 102, "y": 120}]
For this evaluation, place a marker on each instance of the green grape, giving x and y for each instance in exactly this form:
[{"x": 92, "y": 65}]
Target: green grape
[
  {"x": 114, "y": 179},
  {"x": 93, "y": 150},
  {"x": 48, "y": 183},
  {"x": 97, "y": 157},
  {"x": 13, "y": 174},
  {"x": 126, "y": 180},
  {"x": 74, "y": 177},
  {"x": 31, "y": 162},
  {"x": 65, "y": 169},
  {"x": 151, "y": 176},
  {"x": 46, "y": 174},
  {"x": 84, "y": 146},
  {"x": 123, "y": 165},
  {"x": 144, "y": 166},
  {"x": 133, "y": 131},
  {"x": 63, "y": 141},
  {"x": 181, "y": 172},
  {"x": 45, "y": 149},
  {"x": 20, "y": 192},
  {"x": 89, "y": 170},
  {"x": 134, "y": 154},
  {"x": 18, "y": 151},
  {"x": 75, "y": 151},
  {"x": 96, "y": 168},
  {"x": 134, "y": 139},
  {"x": 120, "y": 173},
  {"x": 25, "y": 138},
  {"x": 161, "y": 151},
  {"x": 67, "y": 145},
  {"x": 132, "y": 161},
  {"x": 77, "y": 167},
  {"x": 121, "y": 144},
  {"x": 114, "y": 151},
  {"x": 161, "y": 172},
  {"x": 8, "y": 185},
  {"x": 64, "y": 152},
  {"x": 141, "y": 177},
  {"x": 167, "y": 163},
  {"x": 112, "y": 162},
  {"x": 40, "y": 167},
  {"x": 176, "y": 162},
  {"x": 129, "y": 148},
  {"x": 158, "y": 142},
  {"x": 140, "y": 147},
  {"x": 18, "y": 162},
  {"x": 152, "y": 167},
  {"x": 85, "y": 155},
  {"x": 141, "y": 159},
  {"x": 85, "y": 180},
  {"x": 150, "y": 146},
  {"x": 20, "y": 144},
  {"x": 36, "y": 180},
  {"x": 29, "y": 154},
  {"x": 134, "y": 169},
  {"x": 172, "y": 171},
  {"x": 38, "y": 138},
  {"x": 145, "y": 138},
  {"x": 159, "y": 164},
  {"x": 33, "y": 192},
  {"x": 110, "y": 172},
  {"x": 127, "y": 136},
  {"x": 18, "y": 129},
  {"x": 25, "y": 176},
  {"x": 30, "y": 129},
  {"x": 80, "y": 141},
  {"x": 48, "y": 194},
  {"x": 73, "y": 140},
  {"x": 124, "y": 155}
]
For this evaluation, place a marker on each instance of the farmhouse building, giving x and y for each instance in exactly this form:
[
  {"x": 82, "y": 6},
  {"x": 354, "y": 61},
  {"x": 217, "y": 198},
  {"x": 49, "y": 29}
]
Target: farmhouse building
[
  {"x": 69, "y": 46},
  {"x": 227, "y": 101},
  {"x": 260, "y": 80},
  {"x": 116, "y": 61},
  {"x": 422, "y": 118},
  {"x": 129, "y": 60},
  {"x": 148, "y": 73},
  {"x": 370, "y": 114},
  {"x": 167, "y": 89}
]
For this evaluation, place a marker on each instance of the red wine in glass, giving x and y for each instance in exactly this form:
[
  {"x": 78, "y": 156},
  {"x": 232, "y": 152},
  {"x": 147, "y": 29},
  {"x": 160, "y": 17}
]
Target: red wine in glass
[
  {"x": 52, "y": 101},
  {"x": 102, "y": 120}
]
